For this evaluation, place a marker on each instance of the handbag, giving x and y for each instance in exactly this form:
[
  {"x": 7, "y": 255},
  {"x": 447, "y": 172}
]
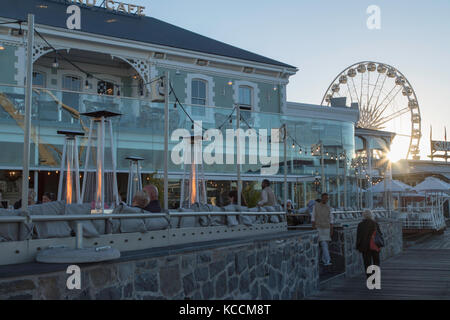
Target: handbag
[{"x": 379, "y": 240}]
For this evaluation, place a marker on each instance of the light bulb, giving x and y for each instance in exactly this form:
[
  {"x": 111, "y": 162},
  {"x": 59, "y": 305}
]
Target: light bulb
[
  {"x": 55, "y": 63},
  {"x": 1, "y": 46}
]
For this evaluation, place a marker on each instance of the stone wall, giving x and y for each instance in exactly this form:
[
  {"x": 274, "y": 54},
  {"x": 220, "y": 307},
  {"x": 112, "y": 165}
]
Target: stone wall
[
  {"x": 343, "y": 245},
  {"x": 283, "y": 266}
]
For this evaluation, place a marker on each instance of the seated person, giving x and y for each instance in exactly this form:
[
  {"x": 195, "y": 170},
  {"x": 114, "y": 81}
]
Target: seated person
[
  {"x": 233, "y": 198},
  {"x": 48, "y": 197},
  {"x": 153, "y": 205},
  {"x": 31, "y": 196},
  {"x": 140, "y": 200},
  {"x": 289, "y": 207}
]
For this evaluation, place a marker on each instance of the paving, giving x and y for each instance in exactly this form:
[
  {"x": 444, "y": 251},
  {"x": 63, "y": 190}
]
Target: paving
[{"x": 421, "y": 272}]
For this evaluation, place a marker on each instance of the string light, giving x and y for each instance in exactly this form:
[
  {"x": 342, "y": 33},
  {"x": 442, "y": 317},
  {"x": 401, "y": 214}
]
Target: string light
[{"x": 55, "y": 63}]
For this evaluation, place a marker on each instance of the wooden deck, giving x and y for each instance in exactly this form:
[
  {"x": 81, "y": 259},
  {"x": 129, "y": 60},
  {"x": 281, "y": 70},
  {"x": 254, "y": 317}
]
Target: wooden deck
[{"x": 420, "y": 272}]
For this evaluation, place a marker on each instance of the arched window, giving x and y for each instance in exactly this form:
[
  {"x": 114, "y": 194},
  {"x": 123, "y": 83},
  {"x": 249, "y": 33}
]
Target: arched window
[
  {"x": 246, "y": 97},
  {"x": 198, "y": 92}
]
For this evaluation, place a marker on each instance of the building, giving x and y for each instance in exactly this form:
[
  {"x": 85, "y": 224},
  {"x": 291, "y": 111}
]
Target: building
[{"x": 112, "y": 63}]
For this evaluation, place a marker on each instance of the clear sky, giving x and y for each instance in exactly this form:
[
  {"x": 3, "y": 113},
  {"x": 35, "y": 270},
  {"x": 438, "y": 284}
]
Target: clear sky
[{"x": 323, "y": 37}]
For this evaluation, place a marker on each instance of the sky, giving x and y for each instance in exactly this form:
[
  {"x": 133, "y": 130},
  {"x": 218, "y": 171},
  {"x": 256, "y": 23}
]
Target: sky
[{"x": 323, "y": 37}]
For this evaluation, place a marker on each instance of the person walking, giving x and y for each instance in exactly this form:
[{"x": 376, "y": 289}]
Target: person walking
[
  {"x": 365, "y": 240},
  {"x": 268, "y": 198},
  {"x": 322, "y": 219}
]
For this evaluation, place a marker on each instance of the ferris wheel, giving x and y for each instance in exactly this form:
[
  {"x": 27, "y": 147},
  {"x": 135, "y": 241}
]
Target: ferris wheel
[{"x": 385, "y": 98}]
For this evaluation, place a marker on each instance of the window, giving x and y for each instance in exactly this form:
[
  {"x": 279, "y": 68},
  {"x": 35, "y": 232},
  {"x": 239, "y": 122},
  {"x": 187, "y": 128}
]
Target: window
[
  {"x": 245, "y": 97},
  {"x": 198, "y": 97},
  {"x": 198, "y": 94},
  {"x": 39, "y": 79},
  {"x": 71, "y": 83},
  {"x": 105, "y": 87}
]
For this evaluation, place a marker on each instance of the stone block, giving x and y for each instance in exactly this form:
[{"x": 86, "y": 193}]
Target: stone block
[
  {"x": 208, "y": 290},
  {"x": 189, "y": 284},
  {"x": 102, "y": 276},
  {"x": 216, "y": 267},
  {"x": 147, "y": 282},
  {"x": 170, "y": 282},
  {"x": 203, "y": 257},
  {"x": 201, "y": 274},
  {"x": 7, "y": 287},
  {"x": 241, "y": 261},
  {"x": 233, "y": 283},
  {"x": 49, "y": 288},
  {"x": 244, "y": 282},
  {"x": 125, "y": 271},
  {"x": 221, "y": 285},
  {"x": 251, "y": 260},
  {"x": 111, "y": 293},
  {"x": 265, "y": 293},
  {"x": 254, "y": 291}
]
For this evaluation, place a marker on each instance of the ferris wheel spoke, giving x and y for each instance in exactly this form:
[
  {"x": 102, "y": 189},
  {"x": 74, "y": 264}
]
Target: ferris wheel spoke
[
  {"x": 362, "y": 78},
  {"x": 356, "y": 93},
  {"x": 381, "y": 89},
  {"x": 350, "y": 93},
  {"x": 368, "y": 83},
  {"x": 393, "y": 116},
  {"x": 374, "y": 88},
  {"x": 387, "y": 104},
  {"x": 377, "y": 106}
]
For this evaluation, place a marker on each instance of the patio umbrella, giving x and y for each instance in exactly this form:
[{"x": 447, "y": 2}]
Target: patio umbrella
[
  {"x": 395, "y": 186},
  {"x": 432, "y": 184}
]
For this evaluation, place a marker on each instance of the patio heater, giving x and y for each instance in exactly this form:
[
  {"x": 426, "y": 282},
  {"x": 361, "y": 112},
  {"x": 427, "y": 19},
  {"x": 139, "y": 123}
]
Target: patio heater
[
  {"x": 134, "y": 178},
  {"x": 196, "y": 184},
  {"x": 95, "y": 190},
  {"x": 69, "y": 178}
]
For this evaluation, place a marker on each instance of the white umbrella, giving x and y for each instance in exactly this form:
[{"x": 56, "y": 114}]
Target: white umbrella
[
  {"x": 394, "y": 186},
  {"x": 432, "y": 184}
]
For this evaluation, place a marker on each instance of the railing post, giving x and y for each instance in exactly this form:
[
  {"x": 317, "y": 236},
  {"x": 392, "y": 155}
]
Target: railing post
[{"x": 79, "y": 235}]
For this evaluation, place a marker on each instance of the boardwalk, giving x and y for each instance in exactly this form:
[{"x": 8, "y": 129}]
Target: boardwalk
[{"x": 420, "y": 272}]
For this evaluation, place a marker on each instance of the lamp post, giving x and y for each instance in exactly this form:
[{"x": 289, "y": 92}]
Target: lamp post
[{"x": 27, "y": 120}]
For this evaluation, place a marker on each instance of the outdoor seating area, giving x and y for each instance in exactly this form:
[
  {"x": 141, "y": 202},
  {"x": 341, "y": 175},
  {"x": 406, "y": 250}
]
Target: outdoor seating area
[{"x": 16, "y": 225}]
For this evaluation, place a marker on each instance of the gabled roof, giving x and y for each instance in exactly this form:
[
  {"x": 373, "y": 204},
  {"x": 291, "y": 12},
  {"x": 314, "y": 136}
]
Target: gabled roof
[{"x": 131, "y": 27}]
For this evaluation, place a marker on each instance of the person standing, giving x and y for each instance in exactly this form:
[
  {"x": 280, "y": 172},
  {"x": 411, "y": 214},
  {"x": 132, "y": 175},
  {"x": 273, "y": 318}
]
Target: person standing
[
  {"x": 365, "y": 242},
  {"x": 267, "y": 196},
  {"x": 322, "y": 220}
]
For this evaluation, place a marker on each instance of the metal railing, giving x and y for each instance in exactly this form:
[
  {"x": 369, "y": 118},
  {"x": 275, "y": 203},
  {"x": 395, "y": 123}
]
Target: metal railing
[{"x": 79, "y": 218}]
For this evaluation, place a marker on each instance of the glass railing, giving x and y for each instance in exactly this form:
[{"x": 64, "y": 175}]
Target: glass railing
[{"x": 139, "y": 131}]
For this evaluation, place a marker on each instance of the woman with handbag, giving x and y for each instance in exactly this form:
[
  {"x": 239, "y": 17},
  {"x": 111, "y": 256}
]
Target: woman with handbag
[{"x": 369, "y": 240}]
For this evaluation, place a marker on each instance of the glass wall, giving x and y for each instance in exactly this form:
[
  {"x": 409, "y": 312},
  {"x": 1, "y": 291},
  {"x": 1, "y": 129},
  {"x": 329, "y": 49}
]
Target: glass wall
[{"x": 139, "y": 131}]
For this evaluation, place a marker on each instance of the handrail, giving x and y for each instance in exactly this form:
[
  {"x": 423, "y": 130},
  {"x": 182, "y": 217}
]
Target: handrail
[{"x": 45, "y": 218}]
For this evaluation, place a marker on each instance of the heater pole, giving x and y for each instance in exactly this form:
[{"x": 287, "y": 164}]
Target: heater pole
[
  {"x": 166, "y": 140},
  {"x": 27, "y": 120}
]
